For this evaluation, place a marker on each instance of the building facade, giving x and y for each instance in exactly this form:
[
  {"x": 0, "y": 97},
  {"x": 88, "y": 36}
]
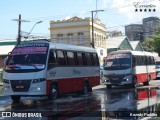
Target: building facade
[
  {"x": 134, "y": 32},
  {"x": 150, "y": 27},
  {"x": 118, "y": 43},
  {"x": 114, "y": 33},
  {"x": 78, "y": 31},
  {"x": 143, "y": 31},
  {"x": 136, "y": 45}
]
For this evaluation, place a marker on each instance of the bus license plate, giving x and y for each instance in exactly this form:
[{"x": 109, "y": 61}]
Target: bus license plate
[{"x": 20, "y": 86}]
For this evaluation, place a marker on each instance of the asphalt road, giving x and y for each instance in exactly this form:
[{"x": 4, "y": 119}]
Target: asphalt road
[{"x": 101, "y": 103}]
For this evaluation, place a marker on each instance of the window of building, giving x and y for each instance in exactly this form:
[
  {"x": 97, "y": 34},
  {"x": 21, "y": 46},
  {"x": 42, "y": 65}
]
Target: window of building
[
  {"x": 80, "y": 37},
  {"x": 60, "y": 38},
  {"x": 70, "y": 38}
]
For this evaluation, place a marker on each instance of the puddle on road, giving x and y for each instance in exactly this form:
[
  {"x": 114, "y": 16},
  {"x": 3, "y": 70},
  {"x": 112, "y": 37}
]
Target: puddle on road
[{"x": 111, "y": 102}]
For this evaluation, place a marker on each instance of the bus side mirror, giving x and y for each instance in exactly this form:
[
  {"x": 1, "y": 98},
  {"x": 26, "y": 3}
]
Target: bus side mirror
[{"x": 5, "y": 60}]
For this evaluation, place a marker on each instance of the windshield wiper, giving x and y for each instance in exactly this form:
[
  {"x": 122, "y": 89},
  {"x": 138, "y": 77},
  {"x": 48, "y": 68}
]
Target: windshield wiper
[
  {"x": 32, "y": 65},
  {"x": 14, "y": 67}
]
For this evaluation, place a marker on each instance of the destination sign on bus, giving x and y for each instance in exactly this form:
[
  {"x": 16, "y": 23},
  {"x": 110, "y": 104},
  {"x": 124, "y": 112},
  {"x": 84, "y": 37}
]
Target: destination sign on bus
[
  {"x": 30, "y": 49},
  {"x": 115, "y": 56}
]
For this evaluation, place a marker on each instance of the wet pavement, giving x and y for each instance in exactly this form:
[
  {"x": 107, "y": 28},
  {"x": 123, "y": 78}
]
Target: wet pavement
[{"x": 118, "y": 103}]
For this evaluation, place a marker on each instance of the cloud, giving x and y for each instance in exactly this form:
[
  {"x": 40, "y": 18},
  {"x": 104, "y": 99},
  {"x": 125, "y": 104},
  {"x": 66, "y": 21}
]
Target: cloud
[
  {"x": 126, "y": 8},
  {"x": 82, "y": 14}
]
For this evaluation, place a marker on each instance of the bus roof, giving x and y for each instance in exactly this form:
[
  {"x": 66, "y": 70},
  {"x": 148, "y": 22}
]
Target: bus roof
[
  {"x": 54, "y": 45},
  {"x": 133, "y": 52},
  {"x": 157, "y": 59}
]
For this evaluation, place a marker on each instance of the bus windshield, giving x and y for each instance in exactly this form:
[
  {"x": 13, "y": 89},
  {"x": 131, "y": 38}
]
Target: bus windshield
[
  {"x": 27, "y": 56},
  {"x": 158, "y": 63},
  {"x": 118, "y": 62}
]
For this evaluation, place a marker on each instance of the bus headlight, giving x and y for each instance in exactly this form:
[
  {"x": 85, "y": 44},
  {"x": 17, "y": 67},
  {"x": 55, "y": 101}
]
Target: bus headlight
[
  {"x": 127, "y": 78},
  {"x": 38, "y": 80},
  {"x": 6, "y": 81}
]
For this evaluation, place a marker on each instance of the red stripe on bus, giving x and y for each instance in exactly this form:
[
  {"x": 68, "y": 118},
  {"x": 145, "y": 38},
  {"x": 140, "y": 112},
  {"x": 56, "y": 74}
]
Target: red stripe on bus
[
  {"x": 73, "y": 84},
  {"x": 143, "y": 77},
  {"x": 143, "y": 94}
]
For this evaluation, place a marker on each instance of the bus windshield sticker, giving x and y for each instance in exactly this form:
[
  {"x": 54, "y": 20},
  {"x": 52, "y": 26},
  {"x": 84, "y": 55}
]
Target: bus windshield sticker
[{"x": 29, "y": 50}]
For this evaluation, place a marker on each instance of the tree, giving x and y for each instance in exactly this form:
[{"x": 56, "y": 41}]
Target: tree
[
  {"x": 157, "y": 42},
  {"x": 153, "y": 44},
  {"x": 148, "y": 45}
]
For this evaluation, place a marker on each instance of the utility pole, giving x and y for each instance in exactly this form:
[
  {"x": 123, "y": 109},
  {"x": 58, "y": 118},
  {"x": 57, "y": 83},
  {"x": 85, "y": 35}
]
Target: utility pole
[
  {"x": 19, "y": 28},
  {"x": 93, "y": 26}
]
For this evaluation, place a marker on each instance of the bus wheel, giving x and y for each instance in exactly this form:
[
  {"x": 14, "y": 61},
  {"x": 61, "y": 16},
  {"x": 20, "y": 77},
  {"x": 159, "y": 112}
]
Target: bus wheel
[
  {"x": 53, "y": 94},
  {"x": 90, "y": 89},
  {"x": 147, "y": 83},
  {"x": 85, "y": 89},
  {"x": 15, "y": 98},
  {"x": 134, "y": 83},
  {"x": 108, "y": 86}
]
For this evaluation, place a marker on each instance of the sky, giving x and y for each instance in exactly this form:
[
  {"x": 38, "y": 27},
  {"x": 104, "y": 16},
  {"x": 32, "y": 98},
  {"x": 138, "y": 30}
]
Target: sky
[{"x": 116, "y": 14}]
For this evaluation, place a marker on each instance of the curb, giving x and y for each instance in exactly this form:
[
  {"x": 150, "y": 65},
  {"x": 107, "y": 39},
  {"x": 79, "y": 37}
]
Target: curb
[{"x": 99, "y": 86}]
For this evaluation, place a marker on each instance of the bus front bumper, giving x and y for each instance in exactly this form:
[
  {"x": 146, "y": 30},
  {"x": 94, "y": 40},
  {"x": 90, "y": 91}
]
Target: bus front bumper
[
  {"x": 34, "y": 89},
  {"x": 124, "y": 81}
]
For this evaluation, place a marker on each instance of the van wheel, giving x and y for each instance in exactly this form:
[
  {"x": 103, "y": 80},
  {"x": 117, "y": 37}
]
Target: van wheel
[
  {"x": 15, "y": 98},
  {"x": 53, "y": 94},
  {"x": 85, "y": 89},
  {"x": 108, "y": 86}
]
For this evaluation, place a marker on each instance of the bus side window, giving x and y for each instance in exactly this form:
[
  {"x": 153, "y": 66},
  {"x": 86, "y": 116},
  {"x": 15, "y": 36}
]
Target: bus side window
[
  {"x": 95, "y": 59},
  {"x": 134, "y": 61},
  {"x": 84, "y": 59},
  {"x": 61, "y": 58},
  {"x": 152, "y": 60},
  {"x": 71, "y": 58},
  {"x": 80, "y": 60},
  {"x": 52, "y": 57},
  {"x": 88, "y": 59}
]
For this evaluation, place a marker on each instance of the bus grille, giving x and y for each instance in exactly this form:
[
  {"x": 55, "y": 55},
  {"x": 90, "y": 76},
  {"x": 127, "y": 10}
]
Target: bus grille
[
  {"x": 115, "y": 79},
  {"x": 20, "y": 85}
]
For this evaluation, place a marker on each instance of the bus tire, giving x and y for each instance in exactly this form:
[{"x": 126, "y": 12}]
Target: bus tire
[
  {"x": 90, "y": 89},
  {"x": 108, "y": 86},
  {"x": 53, "y": 94},
  {"x": 147, "y": 83},
  {"x": 15, "y": 98},
  {"x": 134, "y": 83},
  {"x": 85, "y": 88}
]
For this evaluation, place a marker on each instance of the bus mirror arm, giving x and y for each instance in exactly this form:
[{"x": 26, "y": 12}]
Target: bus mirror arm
[{"x": 6, "y": 58}]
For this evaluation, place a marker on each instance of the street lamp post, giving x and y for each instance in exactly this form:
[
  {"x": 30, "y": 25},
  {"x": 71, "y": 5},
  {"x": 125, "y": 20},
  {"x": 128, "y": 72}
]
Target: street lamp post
[
  {"x": 93, "y": 26},
  {"x": 33, "y": 27}
]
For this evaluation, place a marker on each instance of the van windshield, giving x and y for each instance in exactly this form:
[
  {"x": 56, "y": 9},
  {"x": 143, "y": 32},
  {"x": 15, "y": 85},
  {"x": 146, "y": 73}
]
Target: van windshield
[
  {"x": 27, "y": 56},
  {"x": 117, "y": 62}
]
